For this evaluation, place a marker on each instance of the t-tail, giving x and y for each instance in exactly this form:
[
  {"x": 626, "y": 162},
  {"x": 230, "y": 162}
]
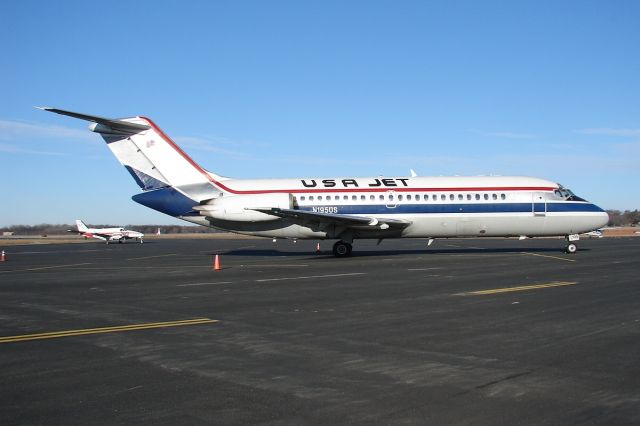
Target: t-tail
[
  {"x": 171, "y": 181},
  {"x": 81, "y": 226}
]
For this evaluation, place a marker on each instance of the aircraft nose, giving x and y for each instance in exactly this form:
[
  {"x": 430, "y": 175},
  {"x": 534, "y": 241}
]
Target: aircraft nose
[{"x": 600, "y": 219}]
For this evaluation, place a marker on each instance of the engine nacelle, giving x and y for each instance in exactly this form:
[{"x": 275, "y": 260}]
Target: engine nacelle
[{"x": 237, "y": 208}]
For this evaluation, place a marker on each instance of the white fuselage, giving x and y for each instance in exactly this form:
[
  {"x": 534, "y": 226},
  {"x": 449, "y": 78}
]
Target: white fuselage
[
  {"x": 436, "y": 207},
  {"x": 112, "y": 234}
]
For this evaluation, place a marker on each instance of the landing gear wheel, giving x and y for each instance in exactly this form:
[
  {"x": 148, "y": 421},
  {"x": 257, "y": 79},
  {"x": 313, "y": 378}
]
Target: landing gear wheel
[
  {"x": 571, "y": 248},
  {"x": 342, "y": 249}
]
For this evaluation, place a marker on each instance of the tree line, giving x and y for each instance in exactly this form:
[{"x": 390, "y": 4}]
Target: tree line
[
  {"x": 625, "y": 218},
  {"x": 58, "y": 229}
]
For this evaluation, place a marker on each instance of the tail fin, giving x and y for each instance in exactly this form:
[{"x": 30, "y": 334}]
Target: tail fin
[
  {"x": 152, "y": 158},
  {"x": 81, "y": 226}
]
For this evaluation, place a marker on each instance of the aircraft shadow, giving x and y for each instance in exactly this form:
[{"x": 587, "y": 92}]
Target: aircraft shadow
[{"x": 399, "y": 252}]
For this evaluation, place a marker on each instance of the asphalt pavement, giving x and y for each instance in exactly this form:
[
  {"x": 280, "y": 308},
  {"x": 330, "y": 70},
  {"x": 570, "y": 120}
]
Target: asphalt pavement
[{"x": 464, "y": 332}]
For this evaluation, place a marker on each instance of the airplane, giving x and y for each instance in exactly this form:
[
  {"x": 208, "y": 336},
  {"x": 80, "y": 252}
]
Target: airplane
[
  {"x": 344, "y": 208},
  {"x": 107, "y": 234}
]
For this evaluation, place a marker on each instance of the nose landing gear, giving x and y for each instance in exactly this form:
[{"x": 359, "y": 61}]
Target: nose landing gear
[{"x": 571, "y": 247}]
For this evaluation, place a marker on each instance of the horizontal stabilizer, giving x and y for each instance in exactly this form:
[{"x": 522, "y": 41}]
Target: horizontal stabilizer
[{"x": 105, "y": 125}]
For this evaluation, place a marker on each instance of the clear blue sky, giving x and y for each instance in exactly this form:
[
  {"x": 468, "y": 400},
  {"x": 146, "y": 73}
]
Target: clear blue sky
[{"x": 293, "y": 88}]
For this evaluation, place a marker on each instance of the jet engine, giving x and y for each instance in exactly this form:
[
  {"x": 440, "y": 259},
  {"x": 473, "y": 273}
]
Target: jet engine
[{"x": 238, "y": 208}]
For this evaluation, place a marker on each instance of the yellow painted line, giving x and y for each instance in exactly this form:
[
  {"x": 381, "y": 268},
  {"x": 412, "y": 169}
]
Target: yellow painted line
[
  {"x": 519, "y": 288},
  {"x": 45, "y": 267},
  {"x": 550, "y": 257},
  {"x": 115, "y": 329}
]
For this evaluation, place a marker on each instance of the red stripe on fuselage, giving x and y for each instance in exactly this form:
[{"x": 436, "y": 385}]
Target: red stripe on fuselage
[
  {"x": 394, "y": 189},
  {"x": 184, "y": 155}
]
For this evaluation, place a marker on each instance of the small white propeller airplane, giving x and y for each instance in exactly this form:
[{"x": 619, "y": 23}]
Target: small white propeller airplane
[
  {"x": 343, "y": 208},
  {"x": 107, "y": 234}
]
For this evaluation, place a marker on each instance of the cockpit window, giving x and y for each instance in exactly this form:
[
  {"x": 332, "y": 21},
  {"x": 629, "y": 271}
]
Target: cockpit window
[{"x": 566, "y": 194}]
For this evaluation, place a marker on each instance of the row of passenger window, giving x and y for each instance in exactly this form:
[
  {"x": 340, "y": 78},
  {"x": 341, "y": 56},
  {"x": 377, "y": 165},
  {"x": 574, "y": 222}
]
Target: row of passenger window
[{"x": 408, "y": 197}]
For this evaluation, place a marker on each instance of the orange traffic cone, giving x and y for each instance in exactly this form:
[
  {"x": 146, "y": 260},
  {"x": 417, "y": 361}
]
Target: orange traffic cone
[
  {"x": 3, "y": 257},
  {"x": 318, "y": 248},
  {"x": 216, "y": 264}
]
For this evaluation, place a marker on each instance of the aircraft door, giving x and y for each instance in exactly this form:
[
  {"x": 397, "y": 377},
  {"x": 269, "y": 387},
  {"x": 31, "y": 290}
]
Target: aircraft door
[
  {"x": 391, "y": 200},
  {"x": 539, "y": 204}
]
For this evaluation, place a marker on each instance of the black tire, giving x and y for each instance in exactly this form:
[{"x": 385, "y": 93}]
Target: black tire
[
  {"x": 571, "y": 248},
  {"x": 342, "y": 249}
]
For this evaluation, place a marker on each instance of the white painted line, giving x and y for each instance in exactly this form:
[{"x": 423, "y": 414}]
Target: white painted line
[
  {"x": 276, "y": 265},
  {"x": 424, "y": 269},
  {"x": 547, "y": 256},
  {"x": 311, "y": 276},
  {"x": 45, "y": 267},
  {"x": 199, "y": 284},
  {"x": 245, "y": 247},
  {"x": 151, "y": 257},
  {"x": 52, "y": 252}
]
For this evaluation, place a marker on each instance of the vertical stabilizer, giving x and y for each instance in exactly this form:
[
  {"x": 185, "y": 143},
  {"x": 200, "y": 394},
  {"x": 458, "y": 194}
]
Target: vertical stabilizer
[
  {"x": 81, "y": 226},
  {"x": 150, "y": 156}
]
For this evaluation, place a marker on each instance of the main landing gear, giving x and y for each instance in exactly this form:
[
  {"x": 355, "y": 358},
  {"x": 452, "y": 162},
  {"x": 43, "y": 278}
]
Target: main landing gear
[
  {"x": 342, "y": 249},
  {"x": 571, "y": 247}
]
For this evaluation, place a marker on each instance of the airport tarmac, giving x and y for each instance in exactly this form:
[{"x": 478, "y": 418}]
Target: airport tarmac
[{"x": 465, "y": 332}]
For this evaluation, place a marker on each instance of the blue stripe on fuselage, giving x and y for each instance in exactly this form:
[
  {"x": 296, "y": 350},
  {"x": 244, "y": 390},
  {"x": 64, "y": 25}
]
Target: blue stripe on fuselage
[
  {"x": 453, "y": 208},
  {"x": 573, "y": 207}
]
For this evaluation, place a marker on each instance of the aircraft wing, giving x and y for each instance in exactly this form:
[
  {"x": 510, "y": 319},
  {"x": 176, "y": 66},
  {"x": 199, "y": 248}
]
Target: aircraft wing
[
  {"x": 102, "y": 236},
  {"x": 90, "y": 234},
  {"x": 303, "y": 217}
]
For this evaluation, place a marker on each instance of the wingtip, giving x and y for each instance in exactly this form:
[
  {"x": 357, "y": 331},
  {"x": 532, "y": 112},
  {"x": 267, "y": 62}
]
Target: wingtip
[{"x": 43, "y": 108}]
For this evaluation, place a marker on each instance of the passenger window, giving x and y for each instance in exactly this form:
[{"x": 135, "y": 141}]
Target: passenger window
[
  {"x": 503, "y": 197},
  {"x": 311, "y": 198},
  {"x": 486, "y": 196},
  {"x": 469, "y": 197},
  {"x": 390, "y": 197},
  {"x": 460, "y": 197},
  {"x": 354, "y": 198},
  {"x": 494, "y": 196},
  {"x": 319, "y": 197},
  {"x": 302, "y": 198},
  {"x": 400, "y": 197},
  {"x": 477, "y": 196},
  {"x": 336, "y": 197},
  {"x": 381, "y": 197},
  {"x": 372, "y": 197},
  {"x": 452, "y": 197},
  {"x": 363, "y": 198},
  {"x": 443, "y": 197},
  {"x": 408, "y": 197},
  {"x": 345, "y": 197}
]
